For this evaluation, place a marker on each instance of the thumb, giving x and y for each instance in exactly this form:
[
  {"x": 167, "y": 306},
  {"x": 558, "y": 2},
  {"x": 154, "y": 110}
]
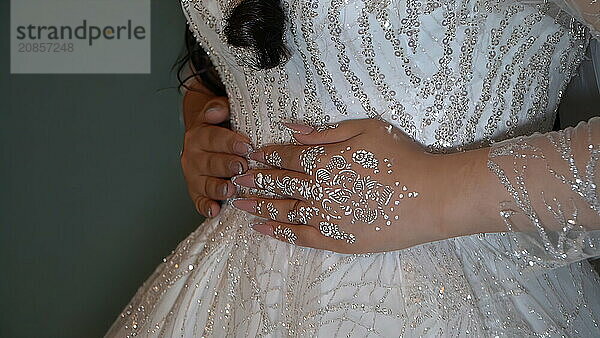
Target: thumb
[
  {"x": 216, "y": 110},
  {"x": 196, "y": 104}
]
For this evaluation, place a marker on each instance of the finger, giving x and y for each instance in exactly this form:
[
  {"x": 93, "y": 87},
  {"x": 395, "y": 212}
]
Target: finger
[
  {"x": 301, "y": 235},
  {"x": 214, "y": 164},
  {"x": 216, "y": 111},
  {"x": 207, "y": 207},
  {"x": 194, "y": 101},
  {"x": 281, "y": 182},
  {"x": 210, "y": 187},
  {"x": 281, "y": 210},
  {"x": 200, "y": 107},
  {"x": 292, "y": 157},
  {"x": 216, "y": 139},
  {"x": 332, "y": 133}
]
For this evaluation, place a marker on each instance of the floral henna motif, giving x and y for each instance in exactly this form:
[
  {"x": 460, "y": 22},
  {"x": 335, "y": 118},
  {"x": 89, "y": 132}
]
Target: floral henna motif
[
  {"x": 303, "y": 215},
  {"x": 309, "y": 158},
  {"x": 334, "y": 231},
  {"x": 273, "y": 159},
  {"x": 341, "y": 191},
  {"x": 259, "y": 207},
  {"x": 273, "y": 212},
  {"x": 290, "y": 186},
  {"x": 347, "y": 193},
  {"x": 365, "y": 158},
  {"x": 285, "y": 233}
]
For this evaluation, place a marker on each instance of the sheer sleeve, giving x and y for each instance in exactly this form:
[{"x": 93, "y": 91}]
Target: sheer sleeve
[
  {"x": 554, "y": 211},
  {"x": 585, "y": 11}
]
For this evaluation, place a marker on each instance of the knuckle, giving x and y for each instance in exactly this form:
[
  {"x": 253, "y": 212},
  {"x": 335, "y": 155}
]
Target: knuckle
[
  {"x": 207, "y": 135},
  {"x": 213, "y": 140},
  {"x": 187, "y": 165},
  {"x": 196, "y": 188},
  {"x": 210, "y": 166},
  {"x": 203, "y": 186},
  {"x": 213, "y": 188},
  {"x": 296, "y": 205},
  {"x": 216, "y": 166},
  {"x": 195, "y": 138},
  {"x": 201, "y": 167},
  {"x": 199, "y": 204},
  {"x": 230, "y": 142},
  {"x": 187, "y": 136},
  {"x": 184, "y": 166},
  {"x": 244, "y": 164}
]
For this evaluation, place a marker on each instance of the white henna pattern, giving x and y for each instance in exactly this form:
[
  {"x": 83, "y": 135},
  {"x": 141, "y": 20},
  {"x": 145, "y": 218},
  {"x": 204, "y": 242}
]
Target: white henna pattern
[
  {"x": 273, "y": 159},
  {"x": 347, "y": 193},
  {"x": 342, "y": 191},
  {"x": 286, "y": 233},
  {"x": 326, "y": 127},
  {"x": 303, "y": 215},
  {"x": 365, "y": 158},
  {"x": 309, "y": 158},
  {"x": 273, "y": 212},
  {"x": 289, "y": 186},
  {"x": 333, "y": 230}
]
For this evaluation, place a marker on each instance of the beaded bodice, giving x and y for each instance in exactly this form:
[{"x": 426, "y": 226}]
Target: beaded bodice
[{"x": 452, "y": 74}]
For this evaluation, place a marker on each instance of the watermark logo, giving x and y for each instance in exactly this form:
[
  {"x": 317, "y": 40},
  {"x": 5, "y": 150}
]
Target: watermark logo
[{"x": 80, "y": 36}]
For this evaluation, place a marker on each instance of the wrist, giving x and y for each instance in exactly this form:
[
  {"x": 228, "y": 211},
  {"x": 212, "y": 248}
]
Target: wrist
[{"x": 470, "y": 194}]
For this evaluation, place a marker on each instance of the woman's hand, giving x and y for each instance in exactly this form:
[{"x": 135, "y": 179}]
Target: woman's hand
[
  {"x": 357, "y": 187},
  {"x": 211, "y": 154}
]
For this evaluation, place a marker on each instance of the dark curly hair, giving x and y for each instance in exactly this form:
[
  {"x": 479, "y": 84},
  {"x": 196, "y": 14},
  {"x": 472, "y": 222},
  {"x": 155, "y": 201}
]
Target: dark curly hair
[{"x": 256, "y": 25}]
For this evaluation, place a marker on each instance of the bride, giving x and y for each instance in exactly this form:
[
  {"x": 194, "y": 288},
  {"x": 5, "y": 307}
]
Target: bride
[{"x": 395, "y": 174}]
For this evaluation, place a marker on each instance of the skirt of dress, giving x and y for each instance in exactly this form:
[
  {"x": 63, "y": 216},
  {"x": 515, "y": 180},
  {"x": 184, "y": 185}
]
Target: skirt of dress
[{"x": 227, "y": 280}]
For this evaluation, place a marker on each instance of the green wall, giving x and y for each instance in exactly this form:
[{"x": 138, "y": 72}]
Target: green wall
[{"x": 91, "y": 191}]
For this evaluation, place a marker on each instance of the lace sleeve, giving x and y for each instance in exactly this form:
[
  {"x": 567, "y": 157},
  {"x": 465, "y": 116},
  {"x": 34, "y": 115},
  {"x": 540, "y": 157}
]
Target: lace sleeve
[
  {"x": 586, "y": 11},
  {"x": 552, "y": 178}
]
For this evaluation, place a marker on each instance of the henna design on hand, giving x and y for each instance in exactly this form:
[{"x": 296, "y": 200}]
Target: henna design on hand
[{"x": 286, "y": 233}]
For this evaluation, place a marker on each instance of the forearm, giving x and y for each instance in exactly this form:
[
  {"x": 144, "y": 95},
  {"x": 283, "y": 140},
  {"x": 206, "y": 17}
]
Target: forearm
[{"x": 544, "y": 182}]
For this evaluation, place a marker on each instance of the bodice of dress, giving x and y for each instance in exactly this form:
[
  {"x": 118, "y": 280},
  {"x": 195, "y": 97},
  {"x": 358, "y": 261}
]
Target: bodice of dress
[{"x": 452, "y": 74}]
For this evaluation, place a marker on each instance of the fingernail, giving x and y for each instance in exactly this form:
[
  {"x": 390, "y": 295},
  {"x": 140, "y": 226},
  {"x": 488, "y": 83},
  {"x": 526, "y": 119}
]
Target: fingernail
[
  {"x": 236, "y": 168},
  {"x": 214, "y": 113},
  {"x": 263, "y": 228},
  {"x": 242, "y": 148},
  {"x": 258, "y": 156},
  {"x": 209, "y": 212},
  {"x": 225, "y": 189},
  {"x": 246, "y": 180},
  {"x": 248, "y": 205},
  {"x": 299, "y": 128}
]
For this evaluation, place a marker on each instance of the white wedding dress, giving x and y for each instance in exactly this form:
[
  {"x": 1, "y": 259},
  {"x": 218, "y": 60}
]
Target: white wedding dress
[{"x": 454, "y": 75}]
